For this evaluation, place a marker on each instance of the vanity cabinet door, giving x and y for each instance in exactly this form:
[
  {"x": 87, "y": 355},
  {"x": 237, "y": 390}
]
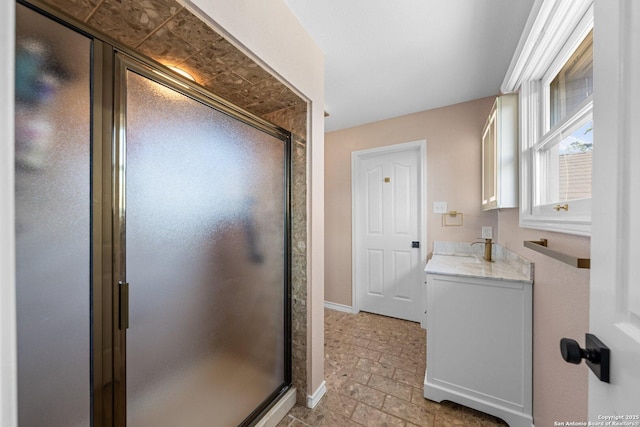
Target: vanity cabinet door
[
  {"x": 489, "y": 177},
  {"x": 479, "y": 345}
]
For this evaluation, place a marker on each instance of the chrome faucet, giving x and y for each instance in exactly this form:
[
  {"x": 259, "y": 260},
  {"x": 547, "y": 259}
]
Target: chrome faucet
[{"x": 487, "y": 248}]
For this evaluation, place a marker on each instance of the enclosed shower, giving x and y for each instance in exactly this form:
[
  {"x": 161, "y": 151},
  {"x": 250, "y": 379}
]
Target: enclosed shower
[{"x": 152, "y": 241}]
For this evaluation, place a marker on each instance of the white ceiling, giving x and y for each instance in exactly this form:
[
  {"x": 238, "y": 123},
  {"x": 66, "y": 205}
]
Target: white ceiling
[{"x": 386, "y": 58}]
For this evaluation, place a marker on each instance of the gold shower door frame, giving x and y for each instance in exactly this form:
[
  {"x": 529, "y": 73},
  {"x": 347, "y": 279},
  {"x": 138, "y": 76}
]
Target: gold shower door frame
[{"x": 114, "y": 399}]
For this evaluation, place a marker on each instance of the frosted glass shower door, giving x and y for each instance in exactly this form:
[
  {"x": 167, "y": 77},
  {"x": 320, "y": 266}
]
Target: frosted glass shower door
[
  {"x": 53, "y": 221},
  {"x": 205, "y": 202}
]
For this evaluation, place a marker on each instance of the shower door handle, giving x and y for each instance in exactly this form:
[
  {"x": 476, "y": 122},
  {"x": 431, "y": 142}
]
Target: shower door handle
[{"x": 123, "y": 296}]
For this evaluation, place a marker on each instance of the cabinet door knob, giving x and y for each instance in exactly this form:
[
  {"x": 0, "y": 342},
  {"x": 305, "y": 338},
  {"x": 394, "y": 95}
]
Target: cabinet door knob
[{"x": 596, "y": 354}]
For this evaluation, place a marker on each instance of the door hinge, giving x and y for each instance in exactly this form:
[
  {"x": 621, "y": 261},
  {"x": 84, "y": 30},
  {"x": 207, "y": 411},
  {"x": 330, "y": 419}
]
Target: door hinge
[{"x": 123, "y": 294}]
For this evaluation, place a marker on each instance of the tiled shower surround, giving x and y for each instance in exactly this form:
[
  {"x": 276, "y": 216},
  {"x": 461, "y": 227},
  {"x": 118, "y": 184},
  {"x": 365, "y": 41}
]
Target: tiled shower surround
[
  {"x": 167, "y": 32},
  {"x": 170, "y": 34}
]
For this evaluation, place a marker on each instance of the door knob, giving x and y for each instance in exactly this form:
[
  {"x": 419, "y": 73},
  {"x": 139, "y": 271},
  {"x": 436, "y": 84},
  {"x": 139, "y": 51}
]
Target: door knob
[
  {"x": 572, "y": 353},
  {"x": 596, "y": 354}
]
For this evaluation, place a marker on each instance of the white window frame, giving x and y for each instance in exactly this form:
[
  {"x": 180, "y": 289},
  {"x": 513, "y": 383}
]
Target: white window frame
[
  {"x": 553, "y": 32},
  {"x": 579, "y": 208}
]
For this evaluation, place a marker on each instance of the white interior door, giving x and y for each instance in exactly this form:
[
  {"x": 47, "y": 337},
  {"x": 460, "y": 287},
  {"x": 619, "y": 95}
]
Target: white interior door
[
  {"x": 387, "y": 226},
  {"x": 615, "y": 275}
]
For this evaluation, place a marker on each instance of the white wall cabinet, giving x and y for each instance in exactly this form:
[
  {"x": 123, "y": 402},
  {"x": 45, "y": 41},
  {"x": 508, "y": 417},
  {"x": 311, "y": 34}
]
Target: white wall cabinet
[
  {"x": 479, "y": 345},
  {"x": 500, "y": 155}
]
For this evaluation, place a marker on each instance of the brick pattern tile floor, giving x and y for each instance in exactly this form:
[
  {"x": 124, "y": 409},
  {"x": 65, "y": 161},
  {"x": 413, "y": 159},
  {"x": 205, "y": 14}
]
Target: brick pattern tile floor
[{"x": 374, "y": 368}]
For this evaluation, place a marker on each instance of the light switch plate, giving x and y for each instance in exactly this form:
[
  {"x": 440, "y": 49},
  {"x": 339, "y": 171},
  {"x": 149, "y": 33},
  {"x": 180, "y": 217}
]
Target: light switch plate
[
  {"x": 439, "y": 207},
  {"x": 487, "y": 232}
]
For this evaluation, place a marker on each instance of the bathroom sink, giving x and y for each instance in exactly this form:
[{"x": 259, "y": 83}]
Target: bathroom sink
[{"x": 459, "y": 259}]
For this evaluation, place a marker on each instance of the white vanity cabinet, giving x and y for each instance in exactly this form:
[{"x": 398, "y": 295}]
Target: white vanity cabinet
[
  {"x": 479, "y": 343},
  {"x": 500, "y": 155}
]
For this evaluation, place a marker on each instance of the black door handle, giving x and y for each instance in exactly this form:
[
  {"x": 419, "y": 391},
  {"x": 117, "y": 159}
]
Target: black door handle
[{"x": 596, "y": 354}]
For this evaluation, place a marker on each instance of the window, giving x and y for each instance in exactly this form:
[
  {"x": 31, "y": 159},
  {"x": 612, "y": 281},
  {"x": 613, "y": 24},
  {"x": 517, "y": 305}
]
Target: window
[
  {"x": 553, "y": 71},
  {"x": 563, "y": 155},
  {"x": 574, "y": 83}
]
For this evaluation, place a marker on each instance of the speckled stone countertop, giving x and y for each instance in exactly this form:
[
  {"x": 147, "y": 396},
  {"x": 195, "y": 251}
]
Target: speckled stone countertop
[{"x": 466, "y": 260}]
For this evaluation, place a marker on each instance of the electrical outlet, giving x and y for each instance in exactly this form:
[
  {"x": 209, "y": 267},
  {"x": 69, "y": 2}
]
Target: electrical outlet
[
  {"x": 487, "y": 232},
  {"x": 439, "y": 207}
]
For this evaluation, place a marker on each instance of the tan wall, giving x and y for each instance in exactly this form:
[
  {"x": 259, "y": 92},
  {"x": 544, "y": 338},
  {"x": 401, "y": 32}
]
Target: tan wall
[
  {"x": 560, "y": 309},
  {"x": 561, "y": 292},
  {"x": 453, "y": 175}
]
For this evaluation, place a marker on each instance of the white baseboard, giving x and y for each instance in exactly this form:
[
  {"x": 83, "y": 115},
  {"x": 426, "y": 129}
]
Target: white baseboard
[
  {"x": 279, "y": 410},
  {"x": 313, "y": 400},
  {"x": 338, "y": 307}
]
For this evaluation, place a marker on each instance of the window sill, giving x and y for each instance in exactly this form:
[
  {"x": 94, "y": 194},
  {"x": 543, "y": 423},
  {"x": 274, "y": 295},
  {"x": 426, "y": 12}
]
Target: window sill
[{"x": 580, "y": 226}]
